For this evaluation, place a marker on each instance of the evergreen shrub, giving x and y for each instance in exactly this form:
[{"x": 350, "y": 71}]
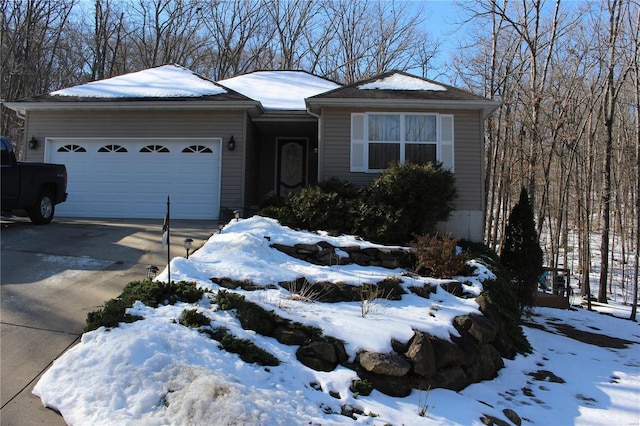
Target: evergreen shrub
[
  {"x": 408, "y": 199},
  {"x": 151, "y": 293},
  {"x": 500, "y": 293},
  {"x": 194, "y": 319},
  {"x": 405, "y": 199},
  {"x": 521, "y": 252},
  {"x": 245, "y": 349},
  {"x": 327, "y": 206}
]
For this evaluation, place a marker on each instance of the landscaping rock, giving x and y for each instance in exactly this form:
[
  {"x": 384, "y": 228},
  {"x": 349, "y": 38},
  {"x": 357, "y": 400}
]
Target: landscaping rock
[
  {"x": 324, "y": 253},
  {"x": 398, "y": 346},
  {"x": 453, "y": 287},
  {"x": 341, "y": 352},
  {"x": 291, "y": 251},
  {"x": 448, "y": 354},
  {"x": 452, "y": 378},
  {"x": 480, "y": 327},
  {"x": 420, "y": 354},
  {"x": 319, "y": 355},
  {"x": 493, "y": 421},
  {"x": 424, "y": 291},
  {"x": 485, "y": 365},
  {"x": 512, "y": 416},
  {"x": 307, "y": 248},
  {"x": 289, "y": 336},
  {"x": 384, "y": 364},
  {"x": 389, "y": 385}
]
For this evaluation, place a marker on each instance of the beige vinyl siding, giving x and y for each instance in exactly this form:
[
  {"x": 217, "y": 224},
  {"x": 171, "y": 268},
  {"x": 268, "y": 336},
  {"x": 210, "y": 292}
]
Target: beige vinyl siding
[
  {"x": 336, "y": 147},
  {"x": 468, "y": 152},
  {"x": 162, "y": 124},
  {"x": 469, "y": 158}
]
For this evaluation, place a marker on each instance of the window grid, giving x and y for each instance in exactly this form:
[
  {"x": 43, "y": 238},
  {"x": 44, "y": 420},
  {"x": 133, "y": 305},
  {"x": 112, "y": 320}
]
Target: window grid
[
  {"x": 197, "y": 149},
  {"x": 72, "y": 148},
  {"x": 154, "y": 148},
  {"x": 380, "y": 157},
  {"x": 112, "y": 148}
]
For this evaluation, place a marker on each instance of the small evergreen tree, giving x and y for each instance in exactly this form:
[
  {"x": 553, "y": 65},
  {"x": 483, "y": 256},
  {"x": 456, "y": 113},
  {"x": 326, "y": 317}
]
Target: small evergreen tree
[{"x": 521, "y": 252}]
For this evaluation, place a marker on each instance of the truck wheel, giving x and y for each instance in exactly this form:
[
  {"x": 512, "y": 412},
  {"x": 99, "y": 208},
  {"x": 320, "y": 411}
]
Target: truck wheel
[{"x": 42, "y": 212}]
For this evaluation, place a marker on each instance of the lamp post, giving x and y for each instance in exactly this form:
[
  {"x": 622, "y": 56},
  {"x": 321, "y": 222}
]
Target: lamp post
[
  {"x": 236, "y": 214},
  {"x": 152, "y": 270},
  {"x": 187, "y": 245}
]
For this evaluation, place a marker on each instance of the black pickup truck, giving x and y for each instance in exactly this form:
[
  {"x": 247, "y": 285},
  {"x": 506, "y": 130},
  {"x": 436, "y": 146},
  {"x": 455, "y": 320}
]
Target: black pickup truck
[{"x": 34, "y": 187}]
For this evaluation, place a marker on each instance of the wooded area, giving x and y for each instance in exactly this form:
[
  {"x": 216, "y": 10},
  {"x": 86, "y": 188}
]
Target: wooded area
[{"x": 566, "y": 73}]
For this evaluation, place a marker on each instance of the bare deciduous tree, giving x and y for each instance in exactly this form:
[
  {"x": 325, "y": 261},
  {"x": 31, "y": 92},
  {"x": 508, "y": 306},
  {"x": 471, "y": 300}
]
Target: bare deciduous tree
[{"x": 32, "y": 33}]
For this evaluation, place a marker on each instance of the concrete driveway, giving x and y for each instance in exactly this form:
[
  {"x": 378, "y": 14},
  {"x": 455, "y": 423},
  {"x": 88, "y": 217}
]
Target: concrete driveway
[{"x": 52, "y": 276}]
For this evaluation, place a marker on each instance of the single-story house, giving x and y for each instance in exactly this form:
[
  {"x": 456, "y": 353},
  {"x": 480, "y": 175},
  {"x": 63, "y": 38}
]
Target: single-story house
[{"x": 215, "y": 147}]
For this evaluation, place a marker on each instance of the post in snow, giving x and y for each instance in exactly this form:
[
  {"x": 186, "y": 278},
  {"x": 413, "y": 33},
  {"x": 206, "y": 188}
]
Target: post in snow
[{"x": 166, "y": 238}]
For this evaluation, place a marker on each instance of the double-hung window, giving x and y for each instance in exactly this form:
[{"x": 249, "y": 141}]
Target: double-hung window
[{"x": 378, "y": 139}]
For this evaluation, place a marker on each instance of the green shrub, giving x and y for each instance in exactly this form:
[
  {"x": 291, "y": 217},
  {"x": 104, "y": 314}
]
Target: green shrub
[
  {"x": 274, "y": 206},
  {"x": 227, "y": 300},
  {"x": 111, "y": 314},
  {"x": 246, "y": 349},
  {"x": 151, "y": 293},
  {"x": 402, "y": 200},
  {"x": 361, "y": 387},
  {"x": 501, "y": 293},
  {"x": 437, "y": 256},
  {"x": 521, "y": 252},
  {"x": 380, "y": 223},
  {"x": 194, "y": 319},
  {"x": 327, "y": 206},
  {"x": 154, "y": 293},
  {"x": 406, "y": 199}
]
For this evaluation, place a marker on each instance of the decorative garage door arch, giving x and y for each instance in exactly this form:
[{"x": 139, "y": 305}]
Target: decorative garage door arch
[{"x": 131, "y": 177}]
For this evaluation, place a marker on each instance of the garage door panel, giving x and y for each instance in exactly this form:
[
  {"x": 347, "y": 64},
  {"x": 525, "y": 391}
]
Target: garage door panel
[{"x": 130, "y": 183}]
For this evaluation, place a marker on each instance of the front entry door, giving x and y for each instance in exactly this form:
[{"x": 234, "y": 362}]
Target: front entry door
[{"x": 292, "y": 162}]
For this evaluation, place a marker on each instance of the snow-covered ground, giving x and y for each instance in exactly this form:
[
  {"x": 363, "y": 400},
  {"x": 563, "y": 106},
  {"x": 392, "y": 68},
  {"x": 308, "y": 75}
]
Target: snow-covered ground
[{"x": 156, "y": 371}]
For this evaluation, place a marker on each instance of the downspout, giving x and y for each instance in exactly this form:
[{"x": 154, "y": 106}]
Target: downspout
[{"x": 319, "y": 118}]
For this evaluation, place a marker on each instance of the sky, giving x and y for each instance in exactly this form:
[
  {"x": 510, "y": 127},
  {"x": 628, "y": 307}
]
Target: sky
[
  {"x": 155, "y": 371},
  {"x": 441, "y": 25}
]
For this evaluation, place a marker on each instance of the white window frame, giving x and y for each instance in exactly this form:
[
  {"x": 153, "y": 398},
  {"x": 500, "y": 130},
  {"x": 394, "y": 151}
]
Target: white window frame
[{"x": 359, "y": 155}]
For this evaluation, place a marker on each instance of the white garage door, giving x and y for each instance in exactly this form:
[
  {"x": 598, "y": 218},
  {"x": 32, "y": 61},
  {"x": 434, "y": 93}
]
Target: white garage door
[{"x": 131, "y": 178}]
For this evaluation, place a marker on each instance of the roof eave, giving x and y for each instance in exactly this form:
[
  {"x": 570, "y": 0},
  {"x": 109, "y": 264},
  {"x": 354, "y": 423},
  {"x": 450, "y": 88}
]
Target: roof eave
[
  {"x": 487, "y": 106},
  {"x": 129, "y": 105}
]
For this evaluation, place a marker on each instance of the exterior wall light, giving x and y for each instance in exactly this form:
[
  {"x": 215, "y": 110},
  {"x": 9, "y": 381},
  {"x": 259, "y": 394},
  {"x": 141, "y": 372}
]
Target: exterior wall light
[
  {"x": 33, "y": 143},
  {"x": 187, "y": 245},
  {"x": 232, "y": 144}
]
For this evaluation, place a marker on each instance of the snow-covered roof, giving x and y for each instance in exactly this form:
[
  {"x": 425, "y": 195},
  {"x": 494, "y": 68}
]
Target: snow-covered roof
[
  {"x": 399, "y": 89},
  {"x": 279, "y": 90},
  {"x": 167, "y": 81},
  {"x": 402, "y": 82}
]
